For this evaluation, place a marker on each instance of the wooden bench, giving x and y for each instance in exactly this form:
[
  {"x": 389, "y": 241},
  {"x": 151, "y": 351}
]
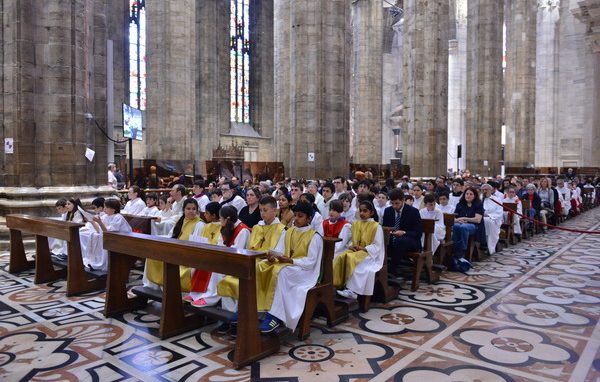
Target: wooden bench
[
  {"x": 321, "y": 298},
  {"x": 249, "y": 346},
  {"x": 446, "y": 248},
  {"x": 586, "y": 197},
  {"x": 424, "y": 258},
  {"x": 43, "y": 228},
  {"x": 526, "y": 206},
  {"x": 508, "y": 227},
  {"x": 382, "y": 290}
]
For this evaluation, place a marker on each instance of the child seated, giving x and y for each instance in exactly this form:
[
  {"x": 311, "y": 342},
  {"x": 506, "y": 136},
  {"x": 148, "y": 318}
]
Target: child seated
[
  {"x": 285, "y": 279},
  {"x": 94, "y": 256},
  {"x": 183, "y": 229},
  {"x": 337, "y": 226},
  {"x": 57, "y": 246},
  {"x": 431, "y": 212},
  {"x": 381, "y": 203},
  {"x": 354, "y": 269},
  {"x": 151, "y": 208},
  {"x": 444, "y": 203},
  {"x": 233, "y": 233}
]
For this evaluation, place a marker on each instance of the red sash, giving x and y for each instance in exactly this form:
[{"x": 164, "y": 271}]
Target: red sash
[
  {"x": 333, "y": 230},
  {"x": 201, "y": 278}
]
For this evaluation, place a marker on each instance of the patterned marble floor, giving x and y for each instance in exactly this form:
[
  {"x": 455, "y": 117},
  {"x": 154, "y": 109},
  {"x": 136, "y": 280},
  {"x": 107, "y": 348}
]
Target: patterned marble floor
[{"x": 529, "y": 313}]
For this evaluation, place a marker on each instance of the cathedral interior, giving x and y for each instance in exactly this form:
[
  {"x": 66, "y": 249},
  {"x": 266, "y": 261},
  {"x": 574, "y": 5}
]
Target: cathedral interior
[{"x": 308, "y": 89}]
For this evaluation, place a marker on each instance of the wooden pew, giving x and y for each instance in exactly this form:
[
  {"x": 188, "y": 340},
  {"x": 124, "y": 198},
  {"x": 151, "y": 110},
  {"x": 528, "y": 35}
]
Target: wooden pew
[
  {"x": 140, "y": 224},
  {"x": 424, "y": 258},
  {"x": 322, "y": 295},
  {"x": 586, "y": 197},
  {"x": 382, "y": 290},
  {"x": 508, "y": 227},
  {"x": 43, "y": 228},
  {"x": 446, "y": 248},
  {"x": 249, "y": 346}
]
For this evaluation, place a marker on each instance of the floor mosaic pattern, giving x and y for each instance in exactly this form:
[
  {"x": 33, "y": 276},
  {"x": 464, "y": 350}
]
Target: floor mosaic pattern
[{"x": 528, "y": 313}]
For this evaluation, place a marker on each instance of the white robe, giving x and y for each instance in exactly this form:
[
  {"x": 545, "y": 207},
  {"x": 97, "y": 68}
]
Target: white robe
[
  {"x": 346, "y": 236},
  {"x": 317, "y": 223},
  {"x": 294, "y": 282},
  {"x": 447, "y": 209},
  {"x": 350, "y": 215},
  {"x": 168, "y": 220},
  {"x": 202, "y": 202},
  {"x": 493, "y": 218},
  {"x": 94, "y": 254},
  {"x": 58, "y": 246},
  {"x": 440, "y": 229},
  {"x": 237, "y": 202},
  {"x": 564, "y": 194},
  {"x": 380, "y": 211},
  {"x": 362, "y": 280},
  {"x": 150, "y": 211},
  {"x": 516, "y": 218},
  {"x": 418, "y": 203},
  {"x": 454, "y": 200},
  {"x": 134, "y": 207}
]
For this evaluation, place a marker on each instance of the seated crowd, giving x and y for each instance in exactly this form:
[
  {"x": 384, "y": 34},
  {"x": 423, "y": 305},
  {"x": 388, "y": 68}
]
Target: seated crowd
[{"x": 288, "y": 220}]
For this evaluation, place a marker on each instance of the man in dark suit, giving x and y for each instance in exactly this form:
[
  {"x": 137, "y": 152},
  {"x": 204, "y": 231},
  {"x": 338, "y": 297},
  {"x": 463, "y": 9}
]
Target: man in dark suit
[{"x": 408, "y": 228}]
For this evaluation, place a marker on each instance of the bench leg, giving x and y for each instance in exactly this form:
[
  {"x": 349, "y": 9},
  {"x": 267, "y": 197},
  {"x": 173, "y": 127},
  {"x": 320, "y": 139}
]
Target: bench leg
[
  {"x": 249, "y": 345},
  {"x": 77, "y": 279},
  {"x": 417, "y": 273},
  {"x": 44, "y": 269},
  {"x": 173, "y": 320},
  {"x": 364, "y": 302},
  {"x": 18, "y": 260},
  {"x": 431, "y": 275},
  {"x": 116, "y": 300}
]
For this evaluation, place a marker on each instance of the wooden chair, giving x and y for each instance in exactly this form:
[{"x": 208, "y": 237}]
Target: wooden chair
[
  {"x": 586, "y": 196},
  {"x": 526, "y": 206},
  {"x": 446, "y": 248},
  {"x": 382, "y": 290},
  {"x": 474, "y": 250},
  {"x": 320, "y": 298},
  {"x": 424, "y": 258},
  {"x": 508, "y": 227}
]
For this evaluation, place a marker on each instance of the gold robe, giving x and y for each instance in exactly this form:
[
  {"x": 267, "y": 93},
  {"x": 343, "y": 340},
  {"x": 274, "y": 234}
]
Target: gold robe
[
  {"x": 154, "y": 268},
  {"x": 363, "y": 234}
]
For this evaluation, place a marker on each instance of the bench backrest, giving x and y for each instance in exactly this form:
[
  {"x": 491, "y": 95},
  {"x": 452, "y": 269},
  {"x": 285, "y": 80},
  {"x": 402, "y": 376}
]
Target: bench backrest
[
  {"x": 428, "y": 230},
  {"x": 510, "y": 207},
  {"x": 449, "y": 223},
  {"x": 139, "y": 223},
  {"x": 36, "y": 225},
  {"x": 230, "y": 261}
]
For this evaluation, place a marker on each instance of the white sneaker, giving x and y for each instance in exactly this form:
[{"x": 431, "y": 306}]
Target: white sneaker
[{"x": 347, "y": 293}]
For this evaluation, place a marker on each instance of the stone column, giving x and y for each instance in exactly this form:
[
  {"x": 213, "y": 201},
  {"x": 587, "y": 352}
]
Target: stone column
[
  {"x": 520, "y": 82},
  {"x": 312, "y": 49},
  {"x": 426, "y": 86},
  {"x": 171, "y": 131},
  {"x": 484, "y": 86},
  {"x": 457, "y": 82},
  {"x": 366, "y": 93},
  {"x": 393, "y": 43},
  {"x": 53, "y": 71},
  {"x": 261, "y": 67},
  {"x": 546, "y": 73},
  {"x": 212, "y": 69}
]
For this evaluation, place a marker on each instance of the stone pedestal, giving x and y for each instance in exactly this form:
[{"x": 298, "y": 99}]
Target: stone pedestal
[
  {"x": 312, "y": 51},
  {"x": 520, "y": 82},
  {"x": 484, "y": 86},
  {"x": 425, "y": 82}
]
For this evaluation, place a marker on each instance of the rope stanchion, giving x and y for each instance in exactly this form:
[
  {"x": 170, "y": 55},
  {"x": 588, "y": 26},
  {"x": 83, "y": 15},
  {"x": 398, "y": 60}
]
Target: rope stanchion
[{"x": 545, "y": 224}]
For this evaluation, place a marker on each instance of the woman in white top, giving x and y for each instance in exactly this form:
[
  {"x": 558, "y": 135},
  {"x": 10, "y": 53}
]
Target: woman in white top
[
  {"x": 135, "y": 205},
  {"x": 73, "y": 214},
  {"x": 417, "y": 191},
  {"x": 431, "y": 212}
]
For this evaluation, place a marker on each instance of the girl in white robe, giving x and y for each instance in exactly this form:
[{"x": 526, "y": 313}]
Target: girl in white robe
[
  {"x": 356, "y": 267},
  {"x": 95, "y": 256},
  {"x": 511, "y": 197}
]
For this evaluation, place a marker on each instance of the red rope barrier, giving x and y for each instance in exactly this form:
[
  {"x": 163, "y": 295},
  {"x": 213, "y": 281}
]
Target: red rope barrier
[{"x": 545, "y": 224}]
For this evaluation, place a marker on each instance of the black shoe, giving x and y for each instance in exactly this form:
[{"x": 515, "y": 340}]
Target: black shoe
[
  {"x": 233, "y": 331},
  {"x": 224, "y": 328}
]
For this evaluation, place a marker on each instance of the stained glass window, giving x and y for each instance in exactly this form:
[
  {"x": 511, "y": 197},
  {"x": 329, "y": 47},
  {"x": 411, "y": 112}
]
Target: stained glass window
[
  {"x": 240, "y": 61},
  {"x": 137, "y": 54}
]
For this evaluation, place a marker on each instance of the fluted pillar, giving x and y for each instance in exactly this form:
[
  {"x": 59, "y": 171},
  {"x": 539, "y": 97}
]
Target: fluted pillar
[
  {"x": 520, "y": 82},
  {"x": 425, "y": 82},
  {"x": 312, "y": 50}
]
